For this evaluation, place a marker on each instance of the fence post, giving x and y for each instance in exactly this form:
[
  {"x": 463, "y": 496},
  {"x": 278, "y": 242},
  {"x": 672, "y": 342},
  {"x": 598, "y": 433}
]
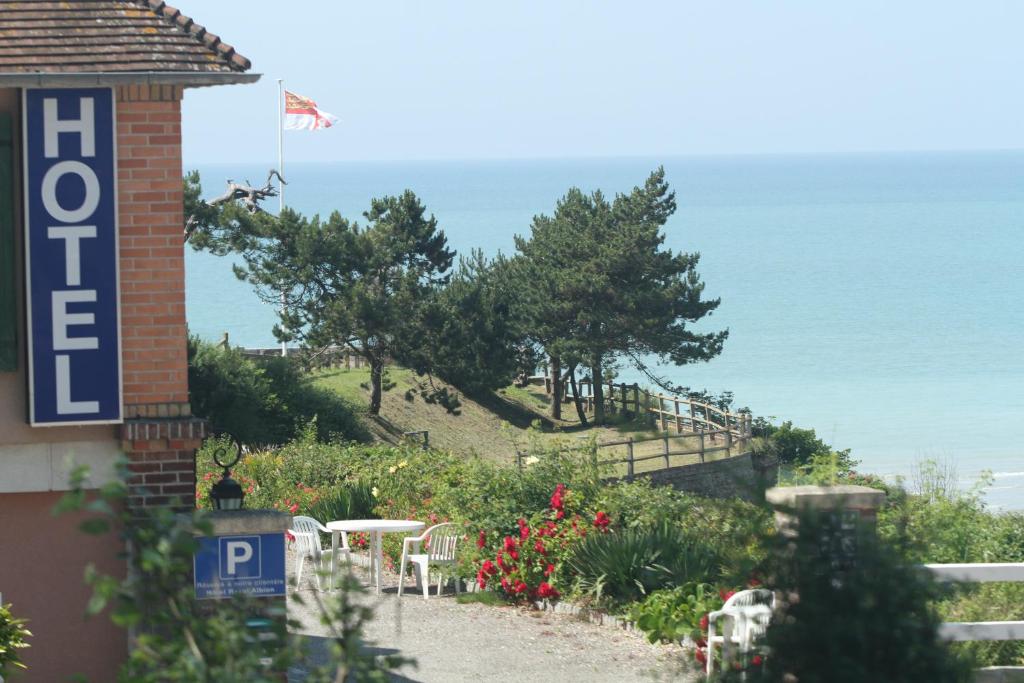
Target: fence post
[
  {"x": 661, "y": 413},
  {"x": 519, "y": 460},
  {"x": 702, "y": 445},
  {"x": 728, "y": 441},
  {"x": 693, "y": 415},
  {"x": 665, "y": 450},
  {"x": 629, "y": 459},
  {"x": 679, "y": 424}
]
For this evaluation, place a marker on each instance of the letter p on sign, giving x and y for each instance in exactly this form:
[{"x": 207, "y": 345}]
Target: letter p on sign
[{"x": 240, "y": 557}]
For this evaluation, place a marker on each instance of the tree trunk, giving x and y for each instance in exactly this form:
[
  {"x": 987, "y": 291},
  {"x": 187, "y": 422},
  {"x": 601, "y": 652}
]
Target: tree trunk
[
  {"x": 597, "y": 378},
  {"x": 576, "y": 396},
  {"x": 556, "y": 388},
  {"x": 376, "y": 380}
]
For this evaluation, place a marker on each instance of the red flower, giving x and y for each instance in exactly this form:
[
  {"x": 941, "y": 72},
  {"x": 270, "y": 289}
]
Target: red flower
[
  {"x": 756, "y": 660},
  {"x": 539, "y": 547},
  {"x": 488, "y": 568},
  {"x": 701, "y": 657},
  {"x": 549, "y": 570},
  {"x": 481, "y": 580},
  {"x": 514, "y": 554},
  {"x": 505, "y": 584},
  {"x": 700, "y": 642},
  {"x": 290, "y": 536},
  {"x": 481, "y": 540},
  {"x": 524, "y": 532},
  {"x": 510, "y": 544},
  {"x": 725, "y": 595},
  {"x": 560, "y": 514},
  {"x": 557, "y": 500},
  {"x": 519, "y": 586},
  {"x": 601, "y": 521},
  {"x": 546, "y": 590},
  {"x": 293, "y": 508},
  {"x": 704, "y": 623}
]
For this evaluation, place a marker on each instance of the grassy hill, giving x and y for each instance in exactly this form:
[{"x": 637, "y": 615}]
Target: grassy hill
[{"x": 492, "y": 426}]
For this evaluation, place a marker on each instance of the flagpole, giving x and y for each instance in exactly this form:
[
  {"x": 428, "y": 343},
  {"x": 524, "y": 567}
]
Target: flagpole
[{"x": 280, "y": 171}]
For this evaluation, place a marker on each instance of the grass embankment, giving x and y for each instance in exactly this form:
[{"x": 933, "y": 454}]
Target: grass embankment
[{"x": 497, "y": 425}]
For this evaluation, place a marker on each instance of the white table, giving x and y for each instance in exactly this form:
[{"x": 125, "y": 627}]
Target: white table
[{"x": 376, "y": 528}]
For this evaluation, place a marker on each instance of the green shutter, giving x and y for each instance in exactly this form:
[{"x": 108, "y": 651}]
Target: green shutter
[{"x": 8, "y": 294}]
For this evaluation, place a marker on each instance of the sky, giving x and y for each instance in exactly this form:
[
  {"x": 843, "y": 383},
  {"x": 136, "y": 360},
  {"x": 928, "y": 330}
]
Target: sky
[{"x": 413, "y": 80}]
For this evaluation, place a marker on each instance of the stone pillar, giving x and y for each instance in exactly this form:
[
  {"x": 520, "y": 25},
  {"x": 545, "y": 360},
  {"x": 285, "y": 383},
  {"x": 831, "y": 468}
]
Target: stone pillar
[{"x": 851, "y": 504}]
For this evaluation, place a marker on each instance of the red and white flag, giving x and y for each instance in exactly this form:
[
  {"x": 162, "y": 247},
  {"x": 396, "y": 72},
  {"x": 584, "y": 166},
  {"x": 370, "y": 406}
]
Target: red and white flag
[{"x": 301, "y": 113}]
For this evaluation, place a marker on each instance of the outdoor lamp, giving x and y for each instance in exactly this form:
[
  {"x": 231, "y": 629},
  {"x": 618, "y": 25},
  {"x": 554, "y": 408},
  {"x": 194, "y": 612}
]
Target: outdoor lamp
[{"x": 227, "y": 493}]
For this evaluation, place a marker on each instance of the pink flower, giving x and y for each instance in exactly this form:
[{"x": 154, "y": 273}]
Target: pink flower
[{"x": 293, "y": 508}]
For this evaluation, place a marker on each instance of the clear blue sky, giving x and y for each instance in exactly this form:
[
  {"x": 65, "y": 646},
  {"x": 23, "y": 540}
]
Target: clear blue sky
[{"x": 551, "y": 78}]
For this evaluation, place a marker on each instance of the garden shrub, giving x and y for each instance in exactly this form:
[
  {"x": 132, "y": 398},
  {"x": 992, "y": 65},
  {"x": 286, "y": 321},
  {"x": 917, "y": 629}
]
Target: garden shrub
[
  {"x": 850, "y": 617},
  {"x": 988, "y": 602},
  {"x": 262, "y": 402},
  {"x": 628, "y": 565},
  {"x": 674, "y": 614}
]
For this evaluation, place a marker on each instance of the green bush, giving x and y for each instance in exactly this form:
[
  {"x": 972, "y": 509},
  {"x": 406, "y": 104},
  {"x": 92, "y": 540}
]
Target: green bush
[
  {"x": 843, "y": 616},
  {"x": 349, "y": 501},
  {"x": 988, "y": 602},
  {"x": 671, "y": 615},
  {"x": 628, "y": 565},
  {"x": 12, "y": 639},
  {"x": 263, "y": 402}
]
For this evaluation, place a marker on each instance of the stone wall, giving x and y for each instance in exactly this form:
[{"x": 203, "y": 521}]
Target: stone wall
[{"x": 743, "y": 476}]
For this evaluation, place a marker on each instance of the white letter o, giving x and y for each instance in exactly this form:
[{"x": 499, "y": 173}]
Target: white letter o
[{"x": 49, "y": 191}]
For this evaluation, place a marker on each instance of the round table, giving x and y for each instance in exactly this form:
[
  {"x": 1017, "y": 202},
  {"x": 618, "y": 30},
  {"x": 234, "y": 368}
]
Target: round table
[{"x": 376, "y": 528}]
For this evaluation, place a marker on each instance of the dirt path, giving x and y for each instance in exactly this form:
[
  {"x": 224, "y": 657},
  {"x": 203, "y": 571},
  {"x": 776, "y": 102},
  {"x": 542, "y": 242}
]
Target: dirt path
[{"x": 473, "y": 642}]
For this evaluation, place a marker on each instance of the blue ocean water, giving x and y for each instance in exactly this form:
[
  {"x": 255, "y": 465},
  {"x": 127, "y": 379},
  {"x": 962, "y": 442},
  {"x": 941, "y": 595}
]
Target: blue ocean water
[{"x": 875, "y": 298}]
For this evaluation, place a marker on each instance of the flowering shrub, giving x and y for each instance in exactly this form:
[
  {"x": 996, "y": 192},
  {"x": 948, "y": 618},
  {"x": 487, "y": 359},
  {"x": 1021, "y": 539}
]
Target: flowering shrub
[{"x": 528, "y": 564}]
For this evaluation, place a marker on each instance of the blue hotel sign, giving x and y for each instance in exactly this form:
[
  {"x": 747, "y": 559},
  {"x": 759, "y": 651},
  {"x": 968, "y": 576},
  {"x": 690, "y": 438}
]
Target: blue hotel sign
[
  {"x": 71, "y": 254},
  {"x": 228, "y": 565}
]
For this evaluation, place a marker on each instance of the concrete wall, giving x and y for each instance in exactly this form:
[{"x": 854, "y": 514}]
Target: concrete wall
[
  {"x": 744, "y": 476},
  {"x": 42, "y": 561}
]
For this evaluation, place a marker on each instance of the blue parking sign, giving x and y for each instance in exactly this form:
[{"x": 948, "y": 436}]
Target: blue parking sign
[{"x": 229, "y": 565}]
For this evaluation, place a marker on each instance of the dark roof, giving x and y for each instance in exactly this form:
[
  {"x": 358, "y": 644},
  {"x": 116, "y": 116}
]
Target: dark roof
[{"x": 108, "y": 36}]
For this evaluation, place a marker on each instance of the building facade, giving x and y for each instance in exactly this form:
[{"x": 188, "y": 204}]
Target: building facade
[{"x": 93, "y": 365}]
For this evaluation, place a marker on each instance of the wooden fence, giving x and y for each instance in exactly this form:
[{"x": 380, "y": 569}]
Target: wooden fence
[
  {"x": 632, "y": 455},
  {"x": 669, "y": 412}
]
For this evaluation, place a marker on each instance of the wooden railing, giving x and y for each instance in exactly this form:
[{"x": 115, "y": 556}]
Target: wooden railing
[
  {"x": 980, "y": 573},
  {"x": 643, "y": 454},
  {"x": 673, "y": 412}
]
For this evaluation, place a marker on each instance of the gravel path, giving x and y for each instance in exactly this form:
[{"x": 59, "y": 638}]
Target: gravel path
[{"x": 473, "y": 642}]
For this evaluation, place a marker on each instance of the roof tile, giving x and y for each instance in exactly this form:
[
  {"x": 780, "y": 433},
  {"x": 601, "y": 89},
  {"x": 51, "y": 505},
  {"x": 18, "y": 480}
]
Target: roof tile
[{"x": 43, "y": 36}]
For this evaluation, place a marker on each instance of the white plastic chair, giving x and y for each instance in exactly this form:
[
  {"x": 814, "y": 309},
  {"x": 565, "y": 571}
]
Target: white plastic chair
[
  {"x": 746, "y": 615},
  {"x": 306, "y": 531},
  {"x": 441, "y": 540}
]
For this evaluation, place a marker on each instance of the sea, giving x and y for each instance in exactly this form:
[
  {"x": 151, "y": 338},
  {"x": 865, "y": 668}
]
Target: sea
[{"x": 876, "y": 298}]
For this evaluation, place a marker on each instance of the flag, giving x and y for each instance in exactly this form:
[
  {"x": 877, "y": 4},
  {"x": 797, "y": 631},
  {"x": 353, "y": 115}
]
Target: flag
[{"x": 300, "y": 113}]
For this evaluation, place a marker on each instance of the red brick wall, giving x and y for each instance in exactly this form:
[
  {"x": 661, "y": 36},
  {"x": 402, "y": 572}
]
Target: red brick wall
[
  {"x": 159, "y": 435},
  {"x": 152, "y": 260}
]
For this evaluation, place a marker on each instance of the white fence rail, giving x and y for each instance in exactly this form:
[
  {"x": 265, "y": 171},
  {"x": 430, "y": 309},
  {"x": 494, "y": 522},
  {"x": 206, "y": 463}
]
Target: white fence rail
[{"x": 980, "y": 573}]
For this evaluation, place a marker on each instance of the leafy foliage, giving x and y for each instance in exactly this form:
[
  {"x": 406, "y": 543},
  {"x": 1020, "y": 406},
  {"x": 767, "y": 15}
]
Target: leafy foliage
[
  {"x": 13, "y": 634},
  {"x": 263, "y": 402},
  {"x": 674, "y": 614},
  {"x": 625, "y": 566},
  {"x": 865, "y": 617}
]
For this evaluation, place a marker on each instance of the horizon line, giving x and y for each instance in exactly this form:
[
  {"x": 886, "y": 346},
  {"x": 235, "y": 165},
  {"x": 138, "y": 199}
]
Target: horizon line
[{"x": 638, "y": 156}]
